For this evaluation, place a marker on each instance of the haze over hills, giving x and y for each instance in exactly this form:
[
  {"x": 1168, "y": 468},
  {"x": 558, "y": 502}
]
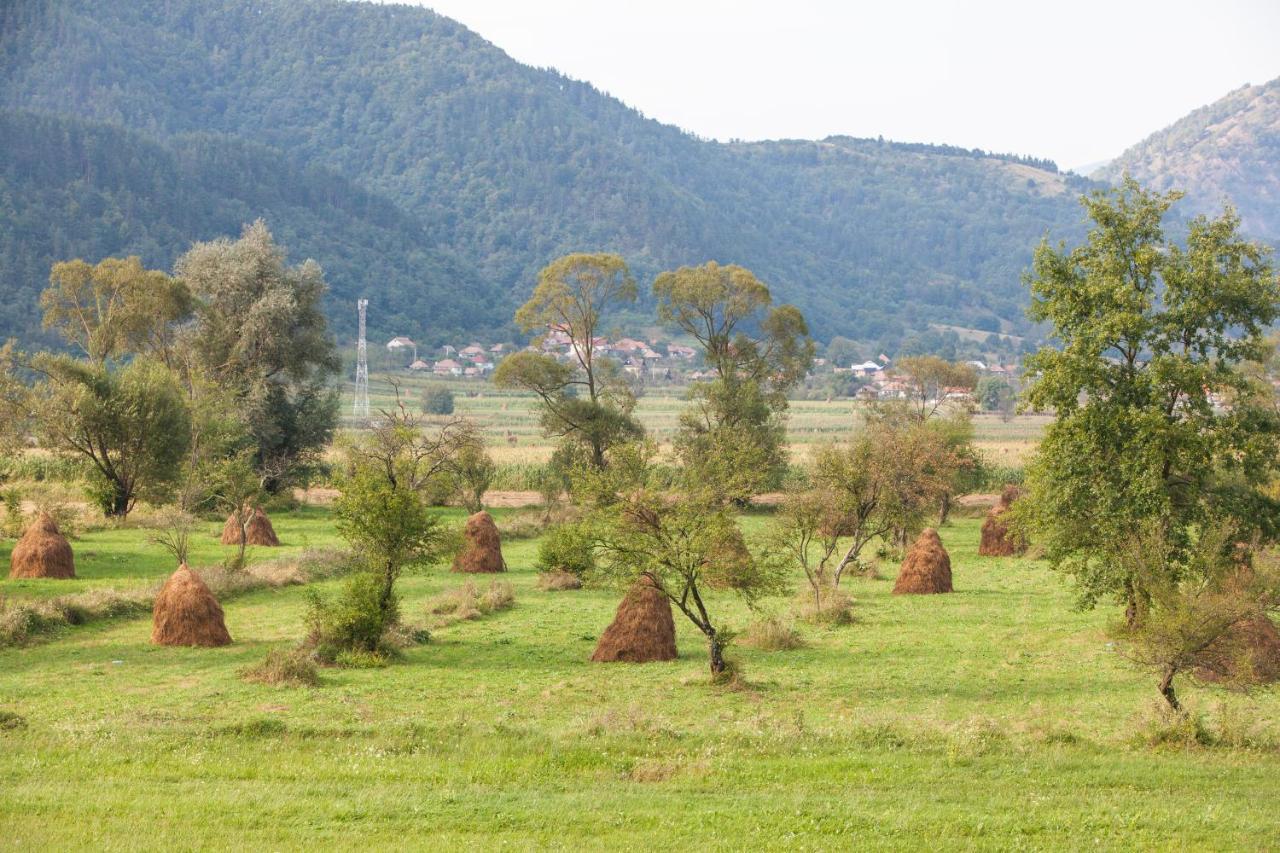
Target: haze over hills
[
  {"x": 1228, "y": 150},
  {"x": 504, "y": 167}
]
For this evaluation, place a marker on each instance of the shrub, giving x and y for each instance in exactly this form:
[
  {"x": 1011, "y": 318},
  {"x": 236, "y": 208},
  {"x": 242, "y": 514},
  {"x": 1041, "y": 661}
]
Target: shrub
[
  {"x": 437, "y": 400},
  {"x": 286, "y": 668},
  {"x": 353, "y": 621},
  {"x": 566, "y": 548},
  {"x": 557, "y": 581},
  {"x": 771, "y": 634}
]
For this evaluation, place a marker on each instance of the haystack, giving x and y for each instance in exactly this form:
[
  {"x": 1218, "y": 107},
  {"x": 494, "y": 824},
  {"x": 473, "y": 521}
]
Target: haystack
[
  {"x": 642, "y": 630},
  {"x": 997, "y": 539},
  {"x": 257, "y": 531},
  {"x": 187, "y": 614},
  {"x": 927, "y": 568},
  {"x": 481, "y": 548},
  {"x": 1248, "y": 654},
  {"x": 42, "y": 552}
]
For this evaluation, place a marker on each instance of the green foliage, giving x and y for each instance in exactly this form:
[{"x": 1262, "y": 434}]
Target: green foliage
[
  {"x": 130, "y": 423},
  {"x": 505, "y": 163},
  {"x": 473, "y": 470},
  {"x": 437, "y": 400},
  {"x": 1151, "y": 338},
  {"x": 285, "y": 668},
  {"x": 567, "y": 548},
  {"x": 356, "y": 619},
  {"x": 260, "y": 332}
]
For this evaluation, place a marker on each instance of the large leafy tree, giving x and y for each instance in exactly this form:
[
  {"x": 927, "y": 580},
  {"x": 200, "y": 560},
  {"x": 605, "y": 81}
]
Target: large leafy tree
[
  {"x": 733, "y": 434},
  {"x": 131, "y": 424},
  {"x": 588, "y": 400},
  {"x": 260, "y": 330},
  {"x": 1150, "y": 339},
  {"x": 115, "y": 308}
]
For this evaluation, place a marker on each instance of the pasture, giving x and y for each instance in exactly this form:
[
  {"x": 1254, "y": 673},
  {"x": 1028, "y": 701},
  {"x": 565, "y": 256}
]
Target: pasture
[{"x": 997, "y": 717}]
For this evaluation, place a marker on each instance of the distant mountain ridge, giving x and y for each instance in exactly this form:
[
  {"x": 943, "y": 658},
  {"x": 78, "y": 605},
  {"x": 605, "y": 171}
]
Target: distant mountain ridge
[
  {"x": 503, "y": 167},
  {"x": 1226, "y": 151}
]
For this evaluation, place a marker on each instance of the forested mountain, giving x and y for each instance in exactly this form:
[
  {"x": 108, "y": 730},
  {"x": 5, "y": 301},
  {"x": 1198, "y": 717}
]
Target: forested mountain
[
  {"x": 507, "y": 166},
  {"x": 71, "y": 188},
  {"x": 1228, "y": 150}
]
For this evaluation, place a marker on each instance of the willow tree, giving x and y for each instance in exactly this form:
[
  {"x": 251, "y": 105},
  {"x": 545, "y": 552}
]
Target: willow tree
[
  {"x": 587, "y": 401},
  {"x": 1150, "y": 336},
  {"x": 734, "y": 434}
]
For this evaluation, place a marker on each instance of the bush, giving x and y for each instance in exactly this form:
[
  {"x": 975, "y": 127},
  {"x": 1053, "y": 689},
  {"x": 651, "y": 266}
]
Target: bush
[
  {"x": 437, "y": 400},
  {"x": 353, "y": 621},
  {"x": 566, "y": 548},
  {"x": 286, "y": 668},
  {"x": 771, "y": 634}
]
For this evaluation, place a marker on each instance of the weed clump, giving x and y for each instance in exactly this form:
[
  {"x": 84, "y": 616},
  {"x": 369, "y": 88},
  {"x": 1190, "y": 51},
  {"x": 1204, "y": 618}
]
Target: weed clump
[
  {"x": 285, "y": 668},
  {"x": 468, "y": 602},
  {"x": 771, "y": 634},
  {"x": 558, "y": 581},
  {"x": 10, "y": 721},
  {"x": 834, "y": 609}
]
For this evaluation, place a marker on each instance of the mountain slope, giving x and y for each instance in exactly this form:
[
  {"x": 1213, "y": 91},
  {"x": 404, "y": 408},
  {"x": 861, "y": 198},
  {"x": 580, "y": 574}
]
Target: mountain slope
[
  {"x": 1228, "y": 150},
  {"x": 71, "y": 188},
  {"x": 508, "y": 166}
]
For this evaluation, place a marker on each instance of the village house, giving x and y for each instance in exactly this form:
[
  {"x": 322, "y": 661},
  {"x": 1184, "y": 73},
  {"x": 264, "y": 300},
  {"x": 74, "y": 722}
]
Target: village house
[{"x": 447, "y": 367}]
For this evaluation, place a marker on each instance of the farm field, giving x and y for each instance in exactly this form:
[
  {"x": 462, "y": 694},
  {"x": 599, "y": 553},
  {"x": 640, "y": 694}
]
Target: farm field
[
  {"x": 993, "y": 718},
  {"x": 510, "y": 422}
]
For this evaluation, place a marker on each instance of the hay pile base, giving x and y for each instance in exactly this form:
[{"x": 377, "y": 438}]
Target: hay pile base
[
  {"x": 187, "y": 614},
  {"x": 997, "y": 539},
  {"x": 482, "y": 548},
  {"x": 257, "y": 531},
  {"x": 1248, "y": 654},
  {"x": 42, "y": 552},
  {"x": 642, "y": 630},
  {"x": 927, "y": 568}
]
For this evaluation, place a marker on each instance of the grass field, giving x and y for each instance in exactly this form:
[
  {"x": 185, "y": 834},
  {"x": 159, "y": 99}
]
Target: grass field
[
  {"x": 993, "y": 718},
  {"x": 510, "y": 422}
]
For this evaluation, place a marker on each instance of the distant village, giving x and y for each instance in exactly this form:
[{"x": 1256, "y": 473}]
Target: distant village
[{"x": 654, "y": 362}]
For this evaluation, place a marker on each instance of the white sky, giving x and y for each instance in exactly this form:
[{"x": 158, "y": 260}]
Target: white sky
[{"x": 1077, "y": 81}]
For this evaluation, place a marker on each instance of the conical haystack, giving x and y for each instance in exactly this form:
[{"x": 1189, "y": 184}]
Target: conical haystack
[
  {"x": 481, "y": 548},
  {"x": 997, "y": 539},
  {"x": 187, "y": 614},
  {"x": 642, "y": 630},
  {"x": 1248, "y": 654},
  {"x": 927, "y": 568},
  {"x": 42, "y": 552},
  {"x": 257, "y": 530}
]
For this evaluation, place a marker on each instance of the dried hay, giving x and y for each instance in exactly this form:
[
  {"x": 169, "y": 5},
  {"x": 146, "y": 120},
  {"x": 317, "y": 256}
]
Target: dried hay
[
  {"x": 481, "y": 548},
  {"x": 997, "y": 539},
  {"x": 42, "y": 552},
  {"x": 927, "y": 567},
  {"x": 642, "y": 630},
  {"x": 187, "y": 614}
]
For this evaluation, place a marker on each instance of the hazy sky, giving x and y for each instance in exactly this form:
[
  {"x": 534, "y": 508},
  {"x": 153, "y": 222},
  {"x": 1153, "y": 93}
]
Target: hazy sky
[{"x": 1074, "y": 81}]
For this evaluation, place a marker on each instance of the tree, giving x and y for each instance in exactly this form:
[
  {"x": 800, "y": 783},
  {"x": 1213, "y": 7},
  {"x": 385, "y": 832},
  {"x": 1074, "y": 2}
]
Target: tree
[
  {"x": 1149, "y": 335},
  {"x": 384, "y": 510},
  {"x": 130, "y": 423},
  {"x": 115, "y": 308},
  {"x": 437, "y": 400},
  {"x": 997, "y": 395},
  {"x": 733, "y": 433},
  {"x": 686, "y": 544},
  {"x": 572, "y": 295},
  {"x": 473, "y": 472},
  {"x": 15, "y": 400},
  {"x": 1195, "y": 618},
  {"x": 929, "y": 379},
  {"x": 260, "y": 330}
]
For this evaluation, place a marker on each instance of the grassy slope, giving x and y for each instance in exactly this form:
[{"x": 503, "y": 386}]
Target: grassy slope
[{"x": 995, "y": 717}]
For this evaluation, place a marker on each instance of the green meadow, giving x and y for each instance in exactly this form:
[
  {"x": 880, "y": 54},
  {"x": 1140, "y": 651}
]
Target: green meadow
[{"x": 997, "y": 717}]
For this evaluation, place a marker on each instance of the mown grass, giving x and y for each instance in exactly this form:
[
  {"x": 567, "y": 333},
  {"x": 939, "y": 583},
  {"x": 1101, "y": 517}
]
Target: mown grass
[{"x": 994, "y": 718}]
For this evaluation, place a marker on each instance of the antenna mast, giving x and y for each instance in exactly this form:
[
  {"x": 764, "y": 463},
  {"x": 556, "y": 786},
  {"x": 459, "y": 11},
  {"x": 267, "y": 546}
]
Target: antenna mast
[{"x": 362, "y": 367}]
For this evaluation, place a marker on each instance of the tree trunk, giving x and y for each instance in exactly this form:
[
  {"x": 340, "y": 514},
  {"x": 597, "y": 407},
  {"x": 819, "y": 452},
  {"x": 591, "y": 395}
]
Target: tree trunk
[
  {"x": 717, "y": 654},
  {"x": 1166, "y": 689},
  {"x": 945, "y": 510},
  {"x": 120, "y": 500},
  {"x": 384, "y": 597}
]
